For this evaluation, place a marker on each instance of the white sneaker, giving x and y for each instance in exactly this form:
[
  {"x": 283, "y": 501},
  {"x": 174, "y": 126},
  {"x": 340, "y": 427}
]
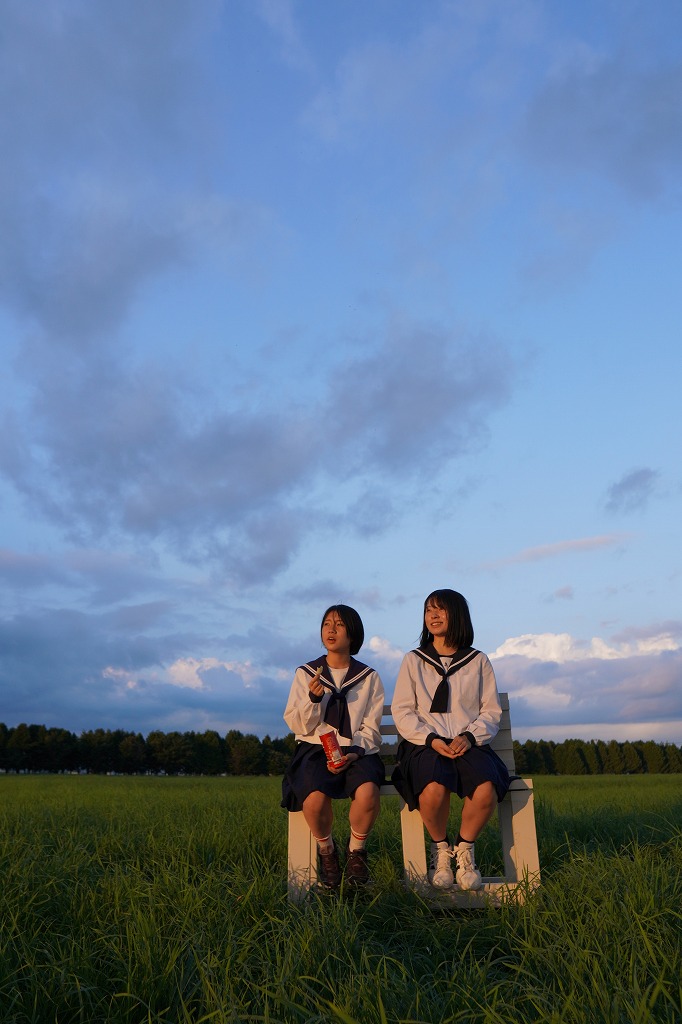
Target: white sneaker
[
  {"x": 468, "y": 876},
  {"x": 441, "y": 875}
]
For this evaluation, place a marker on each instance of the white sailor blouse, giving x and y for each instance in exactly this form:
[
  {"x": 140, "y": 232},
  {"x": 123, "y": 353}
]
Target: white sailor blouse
[
  {"x": 353, "y": 710},
  {"x": 431, "y": 702}
]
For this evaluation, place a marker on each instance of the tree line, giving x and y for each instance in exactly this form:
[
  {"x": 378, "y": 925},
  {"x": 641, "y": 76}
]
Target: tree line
[
  {"x": 595, "y": 757},
  {"x": 35, "y": 748}
]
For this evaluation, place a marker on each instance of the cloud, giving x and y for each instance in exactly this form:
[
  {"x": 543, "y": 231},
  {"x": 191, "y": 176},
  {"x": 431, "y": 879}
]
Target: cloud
[
  {"x": 557, "y": 681},
  {"x": 81, "y": 670},
  {"x": 115, "y": 449},
  {"x": 209, "y": 673},
  {"x": 112, "y": 448},
  {"x": 562, "y": 647},
  {"x": 611, "y": 116},
  {"x": 645, "y": 635},
  {"x": 633, "y": 491},
  {"x": 78, "y": 671},
  {"x": 559, "y": 548},
  {"x": 400, "y": 80},
  {"x": 94, "y": 99},
  {"x": 279, "y": 16},
  {"x": 423, "y": 396},
  {"x": 384, "y": 649}
]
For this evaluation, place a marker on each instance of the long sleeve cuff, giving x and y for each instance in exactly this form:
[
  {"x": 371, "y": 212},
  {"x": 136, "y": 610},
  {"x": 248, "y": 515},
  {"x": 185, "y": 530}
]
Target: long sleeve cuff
[
  {"x": 470, "y": 736},
  {"x": 314, "y": 699},
  {"x": 434, "y": 736}
]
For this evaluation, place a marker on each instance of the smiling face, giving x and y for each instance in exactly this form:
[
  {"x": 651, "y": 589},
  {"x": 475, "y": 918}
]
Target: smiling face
[
  {"x": 335, "y": 635},
  {"x": 436, "y": 619}
]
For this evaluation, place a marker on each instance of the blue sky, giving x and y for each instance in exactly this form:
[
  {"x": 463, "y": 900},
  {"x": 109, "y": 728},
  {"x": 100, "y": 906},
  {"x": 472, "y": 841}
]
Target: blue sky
[{"x": 306, "y": 301}]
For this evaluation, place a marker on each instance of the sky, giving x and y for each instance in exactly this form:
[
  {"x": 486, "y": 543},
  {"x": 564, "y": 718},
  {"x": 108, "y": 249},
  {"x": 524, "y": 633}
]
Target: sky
[{"x": 319, "y": 301}]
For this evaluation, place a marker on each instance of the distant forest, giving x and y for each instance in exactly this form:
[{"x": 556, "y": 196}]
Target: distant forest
[{"x": 35, "y": 748}]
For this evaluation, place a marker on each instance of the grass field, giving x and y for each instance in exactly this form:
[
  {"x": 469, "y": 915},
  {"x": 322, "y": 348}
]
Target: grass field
[{"x": 164, "y": 899}]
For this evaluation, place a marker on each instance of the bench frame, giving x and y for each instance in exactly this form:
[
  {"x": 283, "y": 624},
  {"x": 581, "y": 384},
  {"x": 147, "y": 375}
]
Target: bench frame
[{"x": 516, "y": 815}]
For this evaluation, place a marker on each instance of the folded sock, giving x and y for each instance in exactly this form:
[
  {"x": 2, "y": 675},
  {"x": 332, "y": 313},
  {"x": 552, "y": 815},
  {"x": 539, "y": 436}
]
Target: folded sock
[
  {"x": 357, "y": 841},
  {"x": 325, "y": 845}
]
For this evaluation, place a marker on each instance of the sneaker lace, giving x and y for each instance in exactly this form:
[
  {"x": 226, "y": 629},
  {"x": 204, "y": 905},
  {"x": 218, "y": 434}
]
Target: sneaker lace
[
  {"x": 465, "y": 859},
  {"x": 440, "y": 857}
]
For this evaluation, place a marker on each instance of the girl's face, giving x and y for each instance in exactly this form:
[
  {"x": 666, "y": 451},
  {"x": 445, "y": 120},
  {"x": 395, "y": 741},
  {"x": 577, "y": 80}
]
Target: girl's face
[
  {"x": 335, "y": 635},
  {"x": 436, "y": 619}
]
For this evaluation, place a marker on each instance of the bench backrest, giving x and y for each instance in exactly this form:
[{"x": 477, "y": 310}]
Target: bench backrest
[{"x": 502, "y": 744}]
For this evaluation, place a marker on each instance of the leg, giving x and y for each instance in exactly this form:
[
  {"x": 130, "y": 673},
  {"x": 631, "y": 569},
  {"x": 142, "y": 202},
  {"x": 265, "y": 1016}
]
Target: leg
[
  {"x": 477, "y": 810},
  {"x": 434, "y": 807},
  {"x": 317, "y": 811},
  {"x": 364, "y": 808}
]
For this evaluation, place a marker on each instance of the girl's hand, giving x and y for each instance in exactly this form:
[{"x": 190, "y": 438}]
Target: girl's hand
[
  {"x": 315, "y": 686},
  {"x": 459, "y": 746},
  {"x": 443, "y": 748},
  {"x": 337, "y": 769}
]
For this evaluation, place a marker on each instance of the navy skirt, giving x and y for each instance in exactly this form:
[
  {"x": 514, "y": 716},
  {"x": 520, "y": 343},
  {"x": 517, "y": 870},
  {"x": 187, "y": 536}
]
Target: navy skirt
[
  {"x": 417, "y": 766},
  {"x": 308, "y": 773}
]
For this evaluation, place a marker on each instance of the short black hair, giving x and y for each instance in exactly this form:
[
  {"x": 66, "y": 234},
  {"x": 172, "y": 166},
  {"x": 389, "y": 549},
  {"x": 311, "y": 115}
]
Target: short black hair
[
  {"x": 352, "y": 622},
  {"x": 460, "y": 628}
]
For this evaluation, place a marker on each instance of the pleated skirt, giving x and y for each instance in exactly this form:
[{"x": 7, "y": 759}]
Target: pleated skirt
[
  {"x": 417, "y": 766},
  {"x": 308, "y": 773}
]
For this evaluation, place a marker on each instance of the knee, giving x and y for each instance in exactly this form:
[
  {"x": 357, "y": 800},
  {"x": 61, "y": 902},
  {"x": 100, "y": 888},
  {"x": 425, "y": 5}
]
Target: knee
[
  {"x": 366, "y": 797},
  {"x": 316, "y": 802},
  {"x": 486, "y": 796},
  {"x": 433, "y": 796}
]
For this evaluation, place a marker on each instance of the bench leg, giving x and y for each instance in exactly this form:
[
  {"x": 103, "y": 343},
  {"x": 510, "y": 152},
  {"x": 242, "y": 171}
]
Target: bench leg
[
  {"x": 519, "y": 837},
  {"x": 414, "y": 851},
  {"x": 302, "y": 857}
]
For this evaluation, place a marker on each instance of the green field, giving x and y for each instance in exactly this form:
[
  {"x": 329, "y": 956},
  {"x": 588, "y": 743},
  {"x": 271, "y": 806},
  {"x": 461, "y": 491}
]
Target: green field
[{"x": 164, "y": 899}]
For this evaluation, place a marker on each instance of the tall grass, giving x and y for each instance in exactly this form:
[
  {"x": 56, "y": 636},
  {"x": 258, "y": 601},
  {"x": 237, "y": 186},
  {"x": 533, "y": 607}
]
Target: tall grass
[{"x": 164, "y": 900}]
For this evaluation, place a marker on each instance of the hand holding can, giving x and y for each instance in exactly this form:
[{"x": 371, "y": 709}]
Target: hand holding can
[{"x": 335, "y": 759}]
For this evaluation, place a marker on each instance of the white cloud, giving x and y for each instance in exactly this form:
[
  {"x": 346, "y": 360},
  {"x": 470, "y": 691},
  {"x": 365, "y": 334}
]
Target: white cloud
[
  {"x": 557, "y": 682},
  {"x": 207, "y": 673},
  {"x": 384, "y": 649},
  {"x": 561, "y": 647}
]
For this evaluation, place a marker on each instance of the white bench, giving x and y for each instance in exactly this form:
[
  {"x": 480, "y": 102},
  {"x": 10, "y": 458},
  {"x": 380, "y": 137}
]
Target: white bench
[{"x": 517, "y": 830}]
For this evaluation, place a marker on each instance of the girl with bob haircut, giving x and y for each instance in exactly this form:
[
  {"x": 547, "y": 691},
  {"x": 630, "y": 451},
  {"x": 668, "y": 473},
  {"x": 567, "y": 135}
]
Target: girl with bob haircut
[
  {"x": 447, "y": 710},
  {"x": 336, "y": 693}
]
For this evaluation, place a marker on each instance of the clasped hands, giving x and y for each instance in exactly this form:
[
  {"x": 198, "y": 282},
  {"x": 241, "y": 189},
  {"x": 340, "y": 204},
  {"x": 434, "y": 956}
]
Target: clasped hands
[{"x": 455, "y": 748}]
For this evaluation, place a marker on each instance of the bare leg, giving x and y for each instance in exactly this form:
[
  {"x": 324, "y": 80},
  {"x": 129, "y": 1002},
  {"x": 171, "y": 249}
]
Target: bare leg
[
  {"x": 477, "y": 810},
  {"x": 317, "y": 811},
  {"x": 364, "y": 808},
  {"x": 434, "y": 807}
]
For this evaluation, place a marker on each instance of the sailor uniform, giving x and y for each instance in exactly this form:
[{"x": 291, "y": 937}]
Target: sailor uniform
[
  {"x": 351, "y": 707},
  {"x": 440, "y": 698}
]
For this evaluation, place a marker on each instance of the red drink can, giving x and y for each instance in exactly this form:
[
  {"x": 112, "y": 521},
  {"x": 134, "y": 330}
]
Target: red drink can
[{"x": 332, "y": 749}]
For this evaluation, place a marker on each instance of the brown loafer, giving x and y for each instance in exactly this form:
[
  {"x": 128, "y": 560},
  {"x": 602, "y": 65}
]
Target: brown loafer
[
  {"x": 329, "y": 869},
  {"x": 357, "y": 872}
]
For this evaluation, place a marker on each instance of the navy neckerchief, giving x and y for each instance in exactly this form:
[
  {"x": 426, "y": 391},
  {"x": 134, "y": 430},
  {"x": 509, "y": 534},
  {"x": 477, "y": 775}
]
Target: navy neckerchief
[
  {"x": 336, "y": 713},
  {"x": 460, "y": 658}
]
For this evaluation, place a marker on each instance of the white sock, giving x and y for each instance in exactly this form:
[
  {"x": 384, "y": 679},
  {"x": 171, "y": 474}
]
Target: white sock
[
  {"x": 356, "y": 841},
  {"x": 325, "y": 845}
]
